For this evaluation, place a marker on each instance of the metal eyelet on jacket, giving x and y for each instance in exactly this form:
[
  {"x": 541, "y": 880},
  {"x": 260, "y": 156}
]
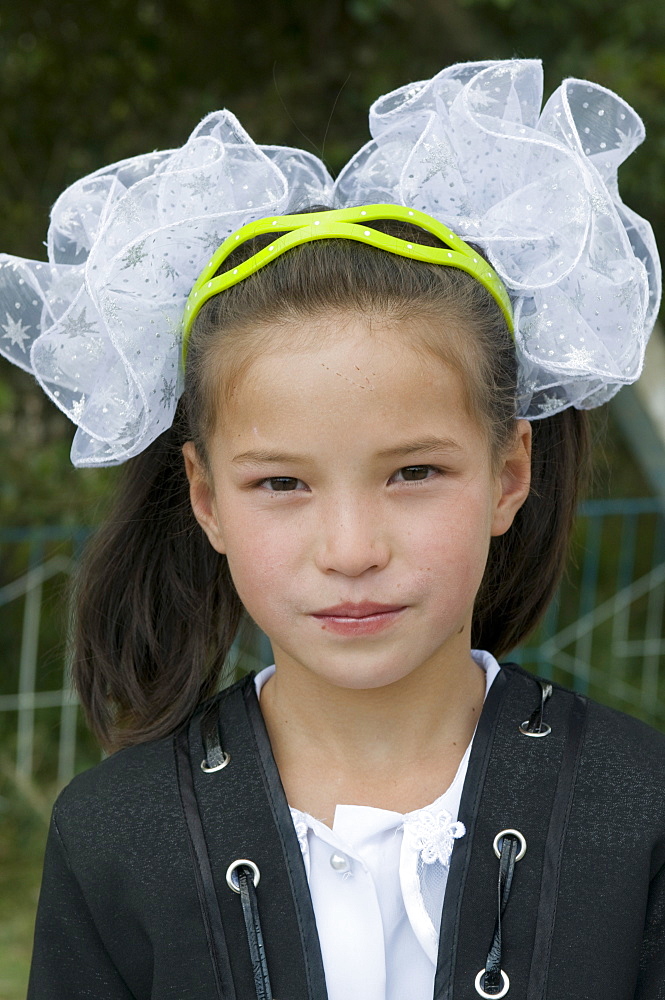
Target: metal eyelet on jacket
[
  {"x": 498, "y": 843},
  {"x": 226, "y": 759},
  {"x": 505, "y": 986},
  {"x": 243, "y": 876},
  {"x": 234, "y": 883},
  {"x": 534, "y": 725},
  {"x": 510, "y": 847}
]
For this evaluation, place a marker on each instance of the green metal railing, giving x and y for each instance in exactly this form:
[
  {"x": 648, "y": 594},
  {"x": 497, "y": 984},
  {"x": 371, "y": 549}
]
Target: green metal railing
[{"x": 603, "y": 634}]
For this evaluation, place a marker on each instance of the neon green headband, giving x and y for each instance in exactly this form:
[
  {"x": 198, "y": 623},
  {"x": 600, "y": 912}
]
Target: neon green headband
[{"x": 343, "y": 223}]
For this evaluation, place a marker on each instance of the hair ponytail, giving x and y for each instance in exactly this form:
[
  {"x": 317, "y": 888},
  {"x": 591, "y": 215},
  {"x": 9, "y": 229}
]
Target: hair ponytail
[
  {"x": 156, "y": 610},
  {"x": 525, "y": 564}
]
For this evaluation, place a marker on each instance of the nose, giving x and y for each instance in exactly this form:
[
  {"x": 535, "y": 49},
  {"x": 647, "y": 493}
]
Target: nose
[{"x": 352, "y": 539}]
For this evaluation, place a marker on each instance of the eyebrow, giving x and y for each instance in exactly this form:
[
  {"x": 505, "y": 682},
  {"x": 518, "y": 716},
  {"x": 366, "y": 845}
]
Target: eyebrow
[
  {"x": 421, "y": 446},
  {"x": 267, "y": 457}
]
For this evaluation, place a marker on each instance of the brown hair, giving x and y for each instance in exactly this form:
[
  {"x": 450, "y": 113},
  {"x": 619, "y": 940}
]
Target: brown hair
[{"x": 156, "y": 609}]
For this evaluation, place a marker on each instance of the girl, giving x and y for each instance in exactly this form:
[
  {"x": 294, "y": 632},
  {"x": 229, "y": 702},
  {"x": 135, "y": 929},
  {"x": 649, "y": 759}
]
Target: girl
[{"x": 358, "y": 462}]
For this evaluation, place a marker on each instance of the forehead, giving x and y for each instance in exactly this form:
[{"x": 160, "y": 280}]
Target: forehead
[
  {"x": 359, "y": 376},
  {"x": 348, "y": 358}
]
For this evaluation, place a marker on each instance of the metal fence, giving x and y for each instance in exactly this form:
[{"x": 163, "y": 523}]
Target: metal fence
[{"x": 603, "y": 634}]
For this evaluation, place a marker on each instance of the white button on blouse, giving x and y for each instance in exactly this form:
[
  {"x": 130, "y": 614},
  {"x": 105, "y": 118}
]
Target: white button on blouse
[{"x": 377, "y": 881}]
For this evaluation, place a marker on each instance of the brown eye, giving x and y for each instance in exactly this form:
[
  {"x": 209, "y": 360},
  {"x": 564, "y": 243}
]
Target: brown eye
[
  {"x": 414, "y": 473},
  {"x": 281, "y": 484}
]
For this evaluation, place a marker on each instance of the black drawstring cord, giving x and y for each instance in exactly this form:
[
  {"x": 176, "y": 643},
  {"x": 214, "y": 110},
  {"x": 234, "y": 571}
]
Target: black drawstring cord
[
  {"x": 510, "y": 847},
  {"x": 215, "y": 758},
  {"x": 535, "y": 725},
  {"x": 257, "y": 953},
  {"x": 243, "y": 877}
]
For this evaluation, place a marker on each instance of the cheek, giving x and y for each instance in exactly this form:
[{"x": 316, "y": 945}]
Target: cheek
[
  {"x": 259, "y": 563},
  {"x": 451, "y": 550},
  {"x": 255, "y": 581}
]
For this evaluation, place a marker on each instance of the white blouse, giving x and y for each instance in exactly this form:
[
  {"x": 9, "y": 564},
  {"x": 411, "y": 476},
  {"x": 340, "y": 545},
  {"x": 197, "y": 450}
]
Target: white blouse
[{"x": 377, "y": 881}]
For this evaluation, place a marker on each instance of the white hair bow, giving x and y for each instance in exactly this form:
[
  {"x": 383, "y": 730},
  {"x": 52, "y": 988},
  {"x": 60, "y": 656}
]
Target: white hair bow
[{"x": 535, "y": 187}]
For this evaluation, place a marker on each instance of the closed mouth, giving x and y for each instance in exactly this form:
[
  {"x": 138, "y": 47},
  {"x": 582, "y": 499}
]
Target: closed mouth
[{"x": 365, "y": 609}]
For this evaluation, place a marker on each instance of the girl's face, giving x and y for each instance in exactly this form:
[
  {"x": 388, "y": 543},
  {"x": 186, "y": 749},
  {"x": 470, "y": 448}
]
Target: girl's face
[{"x": 354, "y": 497}]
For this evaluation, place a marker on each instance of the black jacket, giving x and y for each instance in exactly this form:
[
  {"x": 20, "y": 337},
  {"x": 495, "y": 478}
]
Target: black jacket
[{"x": 135, "y": 904}]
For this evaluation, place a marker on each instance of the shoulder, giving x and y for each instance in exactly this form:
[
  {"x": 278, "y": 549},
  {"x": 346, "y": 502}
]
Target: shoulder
[
  {"x": 624, "y": 759},
  {"x": 625, "y": 734},
  {"x": 605, "y": 728},
  {"x": 620, "y": 757},
  {"x": 136, "y": 786},
  {"x": 603, "y": 767}
]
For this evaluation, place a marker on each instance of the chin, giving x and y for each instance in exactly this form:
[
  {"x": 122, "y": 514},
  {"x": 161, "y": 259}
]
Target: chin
[{"x": 366, "y": 676}]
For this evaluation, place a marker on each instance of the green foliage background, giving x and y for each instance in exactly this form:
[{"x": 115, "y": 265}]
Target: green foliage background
[{"x": 83, "y": 84}]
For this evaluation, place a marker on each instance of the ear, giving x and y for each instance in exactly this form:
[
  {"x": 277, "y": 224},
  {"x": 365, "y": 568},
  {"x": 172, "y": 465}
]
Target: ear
[
  {"x": 513, "y": 479},
  {"x": 202, "y": 497}
]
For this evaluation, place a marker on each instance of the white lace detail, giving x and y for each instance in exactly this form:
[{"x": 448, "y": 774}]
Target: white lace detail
[
  {"x": 433, "y": 834},
  {"x": 302, "y": 831}
]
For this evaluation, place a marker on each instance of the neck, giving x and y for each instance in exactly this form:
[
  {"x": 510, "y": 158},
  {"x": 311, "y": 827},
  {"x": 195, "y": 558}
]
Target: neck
[{"x": 395, "y": 747}]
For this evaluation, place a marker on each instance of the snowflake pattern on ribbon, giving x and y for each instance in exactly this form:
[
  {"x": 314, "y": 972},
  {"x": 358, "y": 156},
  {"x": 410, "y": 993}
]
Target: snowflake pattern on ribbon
[
  {"x": 168, "y": 269},
  {"x": 15, "y": 332},
  {"x": 78, "y": 326},
  {"x": 134, "y": 256},
  {"x": 168, "y": 391},
  {"x": 212, "y": 241},
  {"x": 200, "y": 185},
  {"x": 439, "y": 158}
]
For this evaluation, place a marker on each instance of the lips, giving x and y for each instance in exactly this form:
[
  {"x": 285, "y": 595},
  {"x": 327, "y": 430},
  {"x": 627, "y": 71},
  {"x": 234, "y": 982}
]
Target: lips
[
  {"x": 363, "y": 610},
  {"x": 356, "y": 620}
]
